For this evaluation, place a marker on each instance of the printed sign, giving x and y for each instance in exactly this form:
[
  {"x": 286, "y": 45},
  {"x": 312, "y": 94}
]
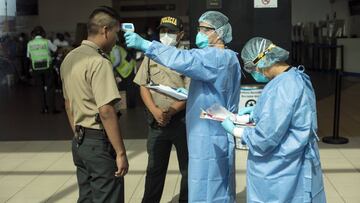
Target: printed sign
[
  {"x": 213, "y": 4},
  {"x": 265, "y": 3},
  {"x": 249, "y": 96}
]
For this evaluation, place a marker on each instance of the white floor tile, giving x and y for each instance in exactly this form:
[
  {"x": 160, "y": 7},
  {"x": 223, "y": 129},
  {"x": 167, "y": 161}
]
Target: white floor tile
[
  {"x": 68, "y": 191},
  {"x": 8, "y": 191},
  {"x": 348, "y": 190},
  {"x": 43, "y": 186},
  {"x": 62, "y": 200},
  {"x": 48, "y": 165},
  {"x": 19, "y": 199},
  {"x": 135, "y": 200},
  {"x": 334, "y": 199},
  {"x": 132, "y": 182}
]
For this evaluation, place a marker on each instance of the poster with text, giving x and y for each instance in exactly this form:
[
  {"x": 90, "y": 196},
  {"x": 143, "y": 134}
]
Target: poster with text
[{"x": 265, "y": 3}]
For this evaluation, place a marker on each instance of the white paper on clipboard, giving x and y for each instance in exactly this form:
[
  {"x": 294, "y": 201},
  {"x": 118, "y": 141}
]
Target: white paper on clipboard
[
  {"x": 168, "y": 91},
  {"x": 205, "y": 115},
  {"x": 219, "y": 113}
]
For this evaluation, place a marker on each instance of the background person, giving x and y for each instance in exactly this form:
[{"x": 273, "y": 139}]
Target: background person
[
  {"x": 165, "y": 116},
  {"x": 40, "y": 51}
]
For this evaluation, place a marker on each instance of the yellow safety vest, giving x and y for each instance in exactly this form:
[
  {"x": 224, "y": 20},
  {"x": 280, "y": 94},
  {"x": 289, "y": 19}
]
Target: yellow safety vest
[
  {"x": 39, "y": 54},
  {"x": 126, "y": 67}
]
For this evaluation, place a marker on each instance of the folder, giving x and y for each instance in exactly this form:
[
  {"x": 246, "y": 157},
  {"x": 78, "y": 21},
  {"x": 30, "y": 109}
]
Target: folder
[{"x": 169, "y": 91}]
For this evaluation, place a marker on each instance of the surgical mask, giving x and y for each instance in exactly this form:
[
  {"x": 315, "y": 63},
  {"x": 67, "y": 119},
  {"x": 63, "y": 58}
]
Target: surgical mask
[
  {"x": 259, "y": 77},
  {"x": 202, "y": 40},
  {"x": 168, "y": 39}
]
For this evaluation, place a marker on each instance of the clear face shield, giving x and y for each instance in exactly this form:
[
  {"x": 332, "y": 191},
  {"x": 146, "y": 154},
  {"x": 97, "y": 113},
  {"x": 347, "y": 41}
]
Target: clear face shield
[{"x": 250, "y": 66}]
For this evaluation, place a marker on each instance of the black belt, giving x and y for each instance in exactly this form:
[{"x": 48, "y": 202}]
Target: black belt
[
  {"x": 94, "y": 133},
  {"x": 81, "y": 133}
]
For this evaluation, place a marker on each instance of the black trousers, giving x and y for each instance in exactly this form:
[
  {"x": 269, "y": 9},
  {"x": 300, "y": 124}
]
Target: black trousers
[
  {"x": 159, "y": 144},
  {"x": 95, "y": 162},
  {"x": 46, "y": 83}
]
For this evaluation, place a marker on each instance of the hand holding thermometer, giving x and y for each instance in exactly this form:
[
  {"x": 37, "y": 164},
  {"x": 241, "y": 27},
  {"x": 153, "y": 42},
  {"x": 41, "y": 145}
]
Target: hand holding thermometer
[{"x": 127, "y": 27}]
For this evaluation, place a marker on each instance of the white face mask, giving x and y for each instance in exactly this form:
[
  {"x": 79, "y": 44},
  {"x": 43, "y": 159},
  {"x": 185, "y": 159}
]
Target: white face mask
[{"x": 168, "y": 39}]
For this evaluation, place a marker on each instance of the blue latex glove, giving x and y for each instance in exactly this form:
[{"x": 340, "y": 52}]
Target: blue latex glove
[
  {"x": 182, "y": 90},
  {"x": 247, "y": 110},
  {"x": 228, "y": 125},
  {"x": 135, "y": 41}
]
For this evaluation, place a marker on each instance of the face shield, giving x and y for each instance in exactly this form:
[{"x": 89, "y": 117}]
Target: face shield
[{"x": 261, "y": 53}]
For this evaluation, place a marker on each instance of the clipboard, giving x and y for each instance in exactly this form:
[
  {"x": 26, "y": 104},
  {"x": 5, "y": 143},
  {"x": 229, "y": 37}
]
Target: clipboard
[
  {"x": 167, "y": 91},
  {"x": 206, "y": 115}
]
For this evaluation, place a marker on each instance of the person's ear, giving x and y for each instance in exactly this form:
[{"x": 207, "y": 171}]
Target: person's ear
[{"x": 105, "y": 31}]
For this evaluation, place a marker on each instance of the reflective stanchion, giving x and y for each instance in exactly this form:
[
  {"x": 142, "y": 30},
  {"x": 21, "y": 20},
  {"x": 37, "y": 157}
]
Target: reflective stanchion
[{"x": 336, "y": 139}]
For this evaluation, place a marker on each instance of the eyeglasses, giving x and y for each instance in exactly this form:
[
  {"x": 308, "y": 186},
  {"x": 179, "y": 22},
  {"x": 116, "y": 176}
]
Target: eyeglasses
[
  {"x": 204, "y": 29},
  {"x": 169, "y": 32},
  {"x": 165, "y": 30}
]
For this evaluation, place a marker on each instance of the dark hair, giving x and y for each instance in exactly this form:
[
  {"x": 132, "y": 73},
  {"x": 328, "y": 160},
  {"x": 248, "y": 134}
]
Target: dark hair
[
  {"x": 97, "y": 19},
  {"x": 106, "y": 9},
  {"x": 39, "y": 30},
  {"x": 60, "y": 36}
]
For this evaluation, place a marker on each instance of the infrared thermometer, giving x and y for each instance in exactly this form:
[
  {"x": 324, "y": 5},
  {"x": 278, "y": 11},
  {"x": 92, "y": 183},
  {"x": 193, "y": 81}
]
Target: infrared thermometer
[{"x": 127, "y": 27}]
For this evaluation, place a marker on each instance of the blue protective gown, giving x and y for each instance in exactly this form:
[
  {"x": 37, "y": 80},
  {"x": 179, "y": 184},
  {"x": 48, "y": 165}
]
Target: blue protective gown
[
  {"x": 215, "y": 78},
  {"x": 283, "y": 161}
]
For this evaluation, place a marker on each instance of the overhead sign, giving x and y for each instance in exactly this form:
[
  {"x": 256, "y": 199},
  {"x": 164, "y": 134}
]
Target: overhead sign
[
  {"x": 265, "y": 3},
  {"x": 214, "y": 4},
  {"x": 7, "y": 7}
]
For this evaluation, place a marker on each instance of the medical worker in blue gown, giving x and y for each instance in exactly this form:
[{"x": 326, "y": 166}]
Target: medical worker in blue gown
[
  {"x": 215, "y": 78},
  {"x": 283, "y": 161}
]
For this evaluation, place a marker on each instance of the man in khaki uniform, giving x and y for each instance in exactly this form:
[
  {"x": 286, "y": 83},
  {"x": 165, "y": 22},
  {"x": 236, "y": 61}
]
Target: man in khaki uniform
[
  {"x": 166, "y": 117},
  {"x": 90, "y": 93}
]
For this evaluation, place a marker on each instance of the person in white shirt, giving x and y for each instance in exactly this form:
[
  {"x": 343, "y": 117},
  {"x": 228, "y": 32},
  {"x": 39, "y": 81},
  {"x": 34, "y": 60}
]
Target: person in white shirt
[{"x": 60, "y": 41}]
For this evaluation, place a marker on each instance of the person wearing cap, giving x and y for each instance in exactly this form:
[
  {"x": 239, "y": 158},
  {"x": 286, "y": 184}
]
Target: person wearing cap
[
  {"x": 283, "y": 160},
  {"x": 165, "y": 116},
  {"x": 215, "y": 78},
  {"x": 91, "y": 95}
]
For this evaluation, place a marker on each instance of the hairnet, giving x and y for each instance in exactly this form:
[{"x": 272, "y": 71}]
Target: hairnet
[
  {"x": 262, "y": 53},
  {"x": 220, "y": 22}
]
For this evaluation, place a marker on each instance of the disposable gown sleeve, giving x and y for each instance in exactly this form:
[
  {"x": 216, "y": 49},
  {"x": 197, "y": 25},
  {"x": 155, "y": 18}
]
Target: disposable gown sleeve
[
  {"x": 273, "y": 123},
  {"x": 198, "y": 64}
]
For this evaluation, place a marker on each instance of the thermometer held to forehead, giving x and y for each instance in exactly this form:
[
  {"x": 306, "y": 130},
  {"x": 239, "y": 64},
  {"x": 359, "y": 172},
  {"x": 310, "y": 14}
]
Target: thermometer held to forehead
[{"x": 127, "y": 27}]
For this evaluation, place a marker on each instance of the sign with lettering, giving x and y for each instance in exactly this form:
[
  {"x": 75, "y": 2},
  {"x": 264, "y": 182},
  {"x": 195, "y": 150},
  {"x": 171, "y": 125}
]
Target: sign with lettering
[{"x": 265, "y": 3}]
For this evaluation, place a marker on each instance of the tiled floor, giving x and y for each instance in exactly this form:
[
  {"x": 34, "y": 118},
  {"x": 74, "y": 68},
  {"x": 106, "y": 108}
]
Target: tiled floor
[{"x": 42, "y": 171}]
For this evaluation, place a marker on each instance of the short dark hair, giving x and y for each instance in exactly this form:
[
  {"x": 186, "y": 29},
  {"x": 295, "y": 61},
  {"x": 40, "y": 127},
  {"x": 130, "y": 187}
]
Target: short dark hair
[
  {"x": 102, "y": 16},
  {"x": 39, "y": 30},
  {"x": 60, "y": 36}
]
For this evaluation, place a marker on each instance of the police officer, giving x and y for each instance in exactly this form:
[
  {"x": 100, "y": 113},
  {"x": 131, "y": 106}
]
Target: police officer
[
  {"x": 89, "y": 90},
  {"x": 165, "y": 117},
  {"x": 39, "y": 51}
]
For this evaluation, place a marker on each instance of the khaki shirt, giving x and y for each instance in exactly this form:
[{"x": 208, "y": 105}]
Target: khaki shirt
[
  {"x": 88, "y": 83},
  {"x": 160, "y": 75}
]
